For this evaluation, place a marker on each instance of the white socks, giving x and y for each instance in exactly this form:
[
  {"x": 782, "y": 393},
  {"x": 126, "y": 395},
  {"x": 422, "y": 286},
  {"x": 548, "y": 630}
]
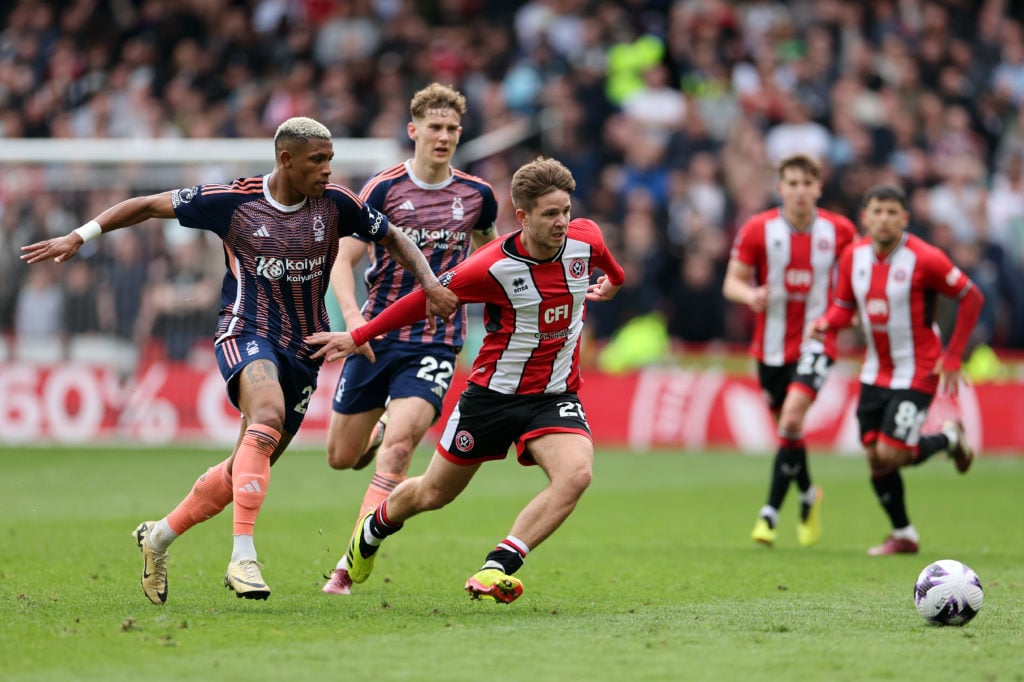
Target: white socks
[
  {"x": 244, "y": 549},
  {"x": 161, "y": 536},
  {"x": 770, "y": 513},
  {"x": 906, "y": 533},
  {"x": 950, "y": 432}
]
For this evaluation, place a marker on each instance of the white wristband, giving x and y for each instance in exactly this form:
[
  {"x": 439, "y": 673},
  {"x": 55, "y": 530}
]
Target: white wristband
[{"x": 90, "y": 230}]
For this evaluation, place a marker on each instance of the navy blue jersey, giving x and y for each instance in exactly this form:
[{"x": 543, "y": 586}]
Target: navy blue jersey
[
  {"x": 278, "y": 257},
  {"x": 440, "y": 219}
]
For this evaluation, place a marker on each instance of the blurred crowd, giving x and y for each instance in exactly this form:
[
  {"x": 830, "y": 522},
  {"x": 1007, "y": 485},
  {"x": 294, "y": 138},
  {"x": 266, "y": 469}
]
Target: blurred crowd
[{"x": 671, "y": 115}]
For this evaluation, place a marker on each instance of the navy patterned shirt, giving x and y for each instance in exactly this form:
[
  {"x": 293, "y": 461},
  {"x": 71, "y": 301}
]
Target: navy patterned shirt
[
  {"x": 278, "y": 257},
  {"x": 440, "y": 219}
]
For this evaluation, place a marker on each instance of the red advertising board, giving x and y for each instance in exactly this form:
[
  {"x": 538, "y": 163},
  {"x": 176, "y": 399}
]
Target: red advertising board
[{"x": 656, "y": 408}]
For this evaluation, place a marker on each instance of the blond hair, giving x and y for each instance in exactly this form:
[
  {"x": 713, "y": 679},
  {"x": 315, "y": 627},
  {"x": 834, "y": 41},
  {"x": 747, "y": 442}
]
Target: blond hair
[
  {"x": 537, "y": 178},
  {"x": 299, "y": 128},
  {"x": 437, "y": 96}
]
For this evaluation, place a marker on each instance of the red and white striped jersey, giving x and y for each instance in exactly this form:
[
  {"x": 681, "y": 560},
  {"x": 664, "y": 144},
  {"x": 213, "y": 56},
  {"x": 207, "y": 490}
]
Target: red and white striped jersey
[
  {"x": 533, "y": 310},
  {"x": 895, "y": 299},
  {"x": 797, "y": 266}
]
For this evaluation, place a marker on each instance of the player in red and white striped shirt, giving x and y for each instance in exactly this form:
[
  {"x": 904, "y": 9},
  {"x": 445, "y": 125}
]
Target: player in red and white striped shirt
[
  {"x": 890, "y": 279},
  {"x": 523, "y": 386},
  {"x": 781, "y": 266}
]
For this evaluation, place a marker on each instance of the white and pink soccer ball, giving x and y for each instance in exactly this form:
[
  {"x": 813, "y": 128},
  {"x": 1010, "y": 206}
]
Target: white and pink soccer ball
[{"x": 948, "y": 592}]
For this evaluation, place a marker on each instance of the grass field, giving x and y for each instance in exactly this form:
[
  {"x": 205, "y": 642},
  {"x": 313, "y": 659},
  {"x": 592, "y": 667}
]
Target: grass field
[{"x": 652, "y": 578}]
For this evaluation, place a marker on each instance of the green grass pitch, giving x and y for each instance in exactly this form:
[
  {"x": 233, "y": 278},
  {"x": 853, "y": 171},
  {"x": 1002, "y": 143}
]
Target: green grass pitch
[{"x": 652, "y": 578}]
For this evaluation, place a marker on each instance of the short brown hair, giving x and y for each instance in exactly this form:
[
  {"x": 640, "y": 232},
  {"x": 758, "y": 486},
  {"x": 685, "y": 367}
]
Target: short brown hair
[
  {"x": 437, "y": 96},
  {"x": 886, "y": 192},
  {"x": 537, "y": 178},
  {"x": 801, "y": 162}
]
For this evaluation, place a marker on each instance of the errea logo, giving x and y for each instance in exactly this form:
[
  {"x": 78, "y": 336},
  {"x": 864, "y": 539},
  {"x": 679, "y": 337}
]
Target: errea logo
[{"x": 519, "y": 285}]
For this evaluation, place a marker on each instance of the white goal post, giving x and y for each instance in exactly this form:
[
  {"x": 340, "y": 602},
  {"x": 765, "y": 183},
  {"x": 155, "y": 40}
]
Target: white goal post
[
  {"x": 158, "y": 162},
  {"x": 358, "y": 154}
]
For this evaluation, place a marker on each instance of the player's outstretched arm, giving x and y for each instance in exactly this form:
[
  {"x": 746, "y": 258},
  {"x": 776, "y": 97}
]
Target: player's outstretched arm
[
  {"x": 337, "y": 345},
  {"x": 128, "y": 212},
  {"x": 440, "y": 301},
  {"x": 401, "y": 313}
]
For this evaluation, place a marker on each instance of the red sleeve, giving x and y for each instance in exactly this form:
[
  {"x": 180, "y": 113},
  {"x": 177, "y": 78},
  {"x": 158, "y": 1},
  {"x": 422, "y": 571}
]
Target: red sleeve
[
  {"x": 940, "y": 273},
  {"x": 951, "y": 281},
  {"x": 602, "y": 258},
  {"x": 749, "y": 243},
  {"x": 410, "y": 308},
  {"x": 844, "y": 303},
  {"x": 469, "y": 280},
  {"x": 966, "y": 317}
]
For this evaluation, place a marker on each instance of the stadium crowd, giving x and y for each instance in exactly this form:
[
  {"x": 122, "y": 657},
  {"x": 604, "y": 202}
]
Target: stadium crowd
[{"x": 670, "y": 114}]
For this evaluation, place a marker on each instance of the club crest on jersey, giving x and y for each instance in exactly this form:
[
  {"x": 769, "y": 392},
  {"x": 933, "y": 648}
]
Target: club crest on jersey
[
  {"x": 252, "y": 348},
  {"x": 464, "y": 441},
  {"x": 953, "y": 276},
  {"x": 824, "y": 245},
  {"x": 578, "y": 268},
  {"x": 900, "y": 275},
  {"x": 183, "y": 196},
  {"x": 319, "y": 229},
  {"x": 458, "y": 212}
]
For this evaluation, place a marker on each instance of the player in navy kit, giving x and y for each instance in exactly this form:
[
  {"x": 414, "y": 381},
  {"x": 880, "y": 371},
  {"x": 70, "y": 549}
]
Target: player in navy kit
[
  {"x": 445, "y": 212},
  {"x": 280, "y": 233}
]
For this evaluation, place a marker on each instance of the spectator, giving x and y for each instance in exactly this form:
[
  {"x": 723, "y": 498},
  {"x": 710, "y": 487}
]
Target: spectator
[
  {"x": 39, "y": 314},
  {"x": 181, "y": 299},
  {"x": 81, "y": 314},
  {"x": 890, "y": 89}
]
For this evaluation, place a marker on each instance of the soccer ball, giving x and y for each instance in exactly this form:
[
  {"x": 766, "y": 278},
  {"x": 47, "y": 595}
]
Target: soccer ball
[{"x": 948, "y": 592}]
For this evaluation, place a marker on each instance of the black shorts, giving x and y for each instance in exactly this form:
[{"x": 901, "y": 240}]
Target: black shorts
[
  {"x": 806, "y": 374},
  {"x": 895, "y": 415},
  {"x": 485, "y": 423}
]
